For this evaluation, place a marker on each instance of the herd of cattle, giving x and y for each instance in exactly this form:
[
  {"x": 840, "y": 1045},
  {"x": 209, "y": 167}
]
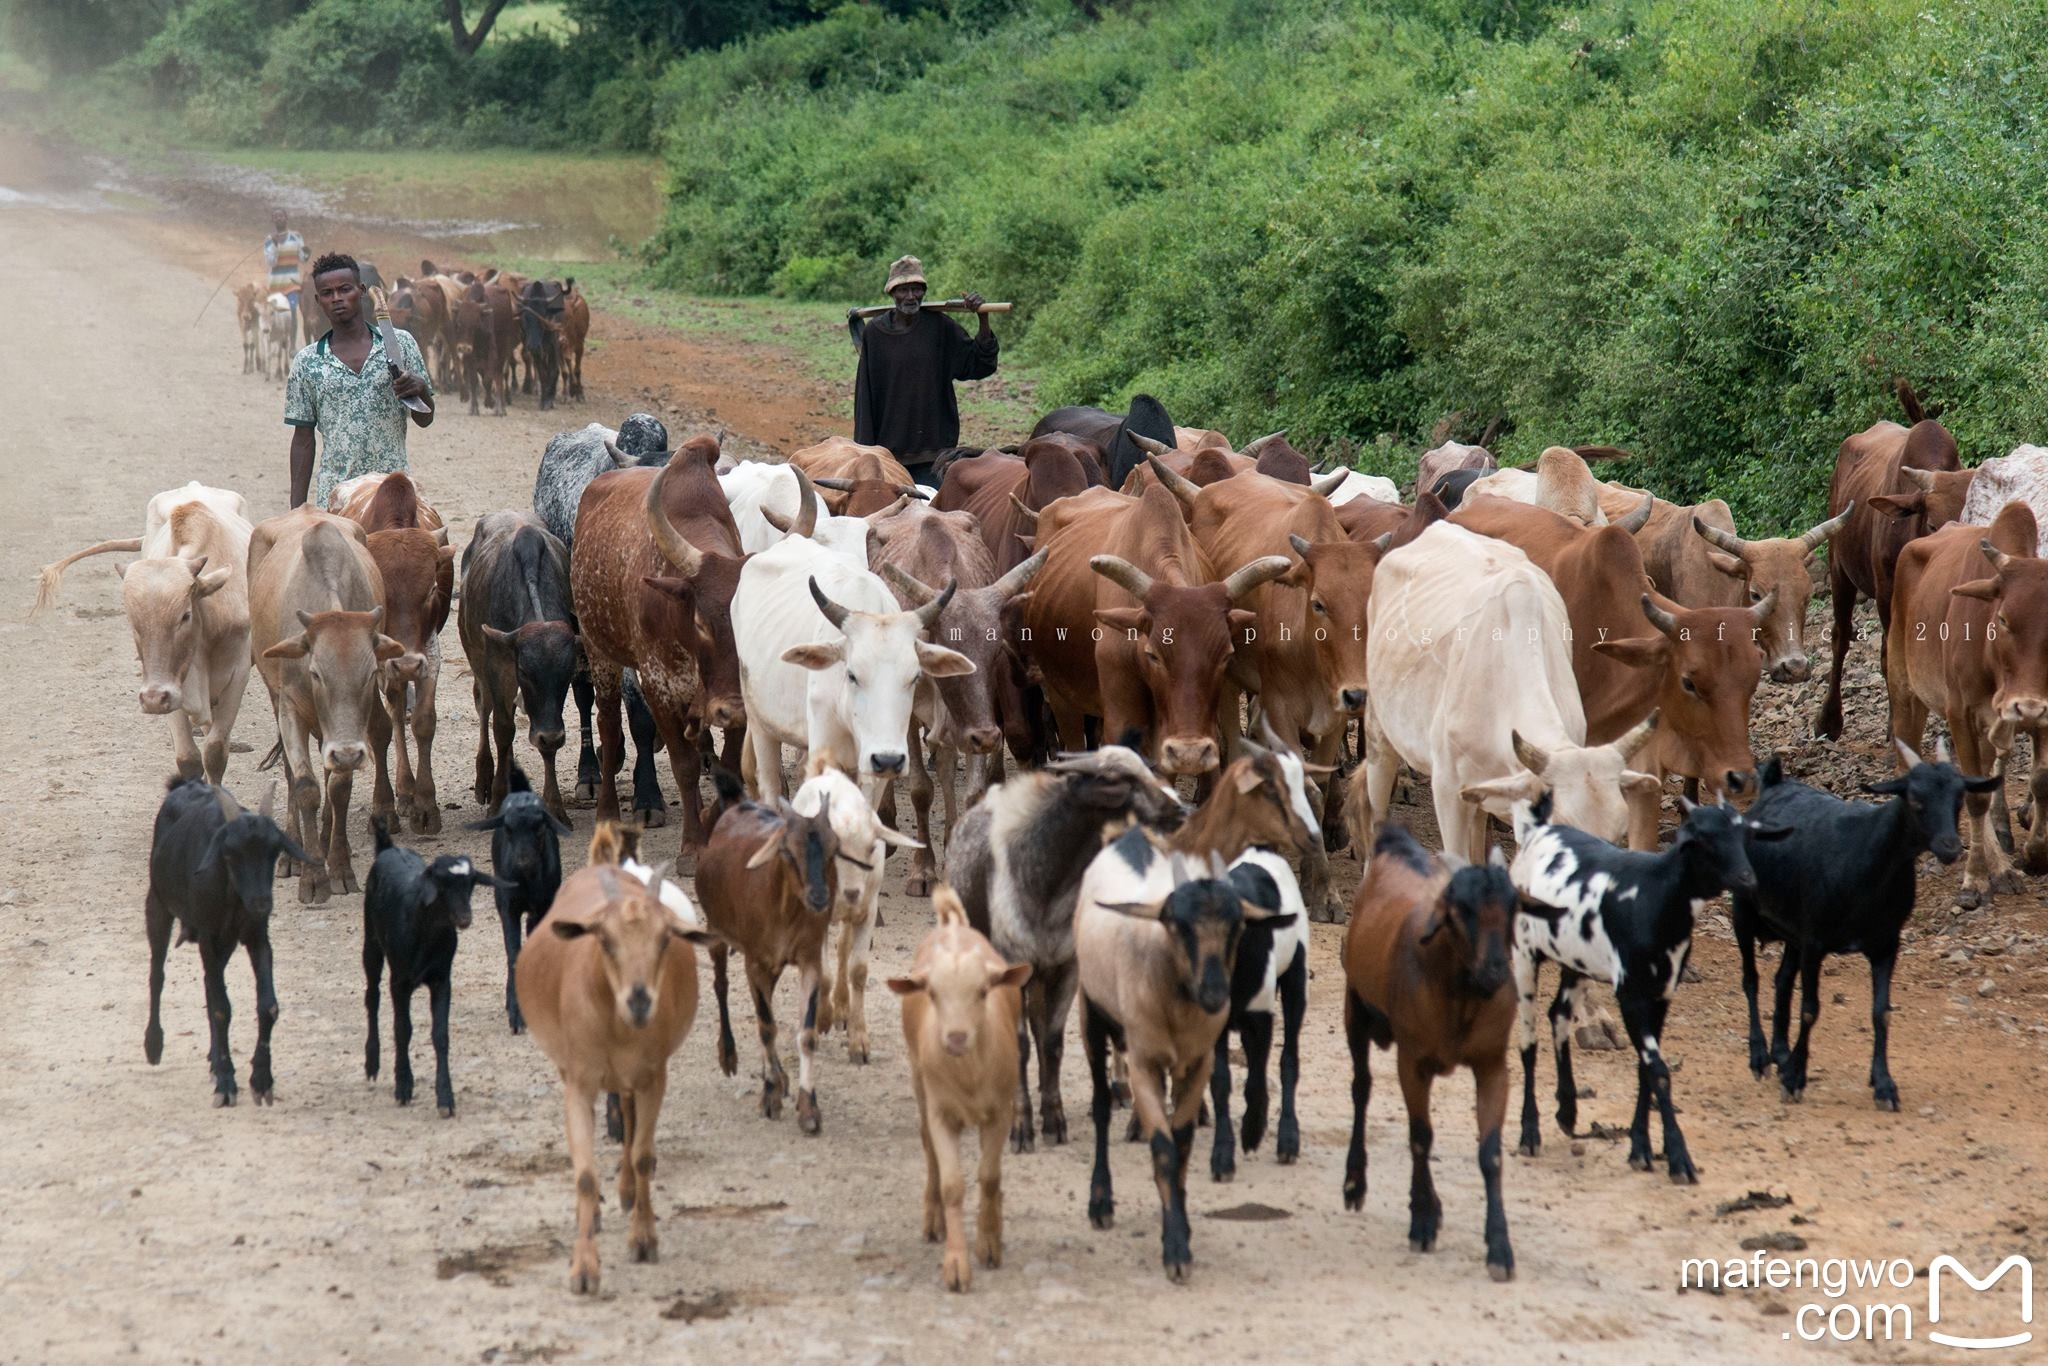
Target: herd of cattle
[
  {"x": 484, "y": 334},
  {"x": 1112, "y": 605}
]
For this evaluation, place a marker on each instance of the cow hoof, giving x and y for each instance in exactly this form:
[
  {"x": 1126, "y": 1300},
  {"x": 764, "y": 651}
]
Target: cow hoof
[
  {"x": 586, "y": 793},
  {"x": 918, "y": 886},
  {"x": 857, "y": 1055},
  {"x": 653, "y": 818},
  {"x": 1970, "y": 898},
  {"x": 1119, "y": 1094}
]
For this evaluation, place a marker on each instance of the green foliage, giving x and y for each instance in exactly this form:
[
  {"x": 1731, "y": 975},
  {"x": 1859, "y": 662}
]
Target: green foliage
[{"x": 73, "y": 36}]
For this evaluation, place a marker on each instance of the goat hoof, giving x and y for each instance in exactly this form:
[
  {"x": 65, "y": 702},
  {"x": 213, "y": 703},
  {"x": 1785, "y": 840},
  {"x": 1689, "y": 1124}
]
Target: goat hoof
[
  {"x": 1889, "y": 1104},
  {"x": 1120, "y": 1095},
  {"x": 263, "y": 1095},
  {"x": 447, "y": 1111},
  {"x": 1685, "y": 1177},
  {"x": 956, "y": 1272},
  {"x": 582, "y": 1282},
  {"x": 1792, "y": 1095},
  {"x": 1970, "y": 898},
  {"x": 1178, "y": 1272},
  {"x": 1529, "y": 1146},
  {"x": 1639, "y": 1161},
  {"x": 1021, "y": 1141},
  {"x": 1354, "y": 1196},
  {"x": 648, "y": 1251},
  {"x": 807, "y": 1112},
  {"x": 857, "y": 1054},
  {"x": 223, "y": 1099},
  {"x": 1501, "y": 1272},
  {"x": 1222, "y": 1175},
  {"x": 153, "y": 1046},
  {"x": 1422, "y": 1244}
]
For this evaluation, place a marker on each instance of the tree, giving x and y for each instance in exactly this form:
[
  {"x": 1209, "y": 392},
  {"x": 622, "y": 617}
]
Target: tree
[{"x": 468, "y": 40}]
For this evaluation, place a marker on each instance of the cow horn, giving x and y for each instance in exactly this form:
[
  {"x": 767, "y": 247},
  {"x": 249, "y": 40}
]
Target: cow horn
[
  {"x": 1329, "y": 484},
  {"x": 834, "y": 613},
  {"x": 1659, "y": 617},
  {"x": 1636, "y": 736},
  {"x": 1249, "y": 576},
  {"x": 1252, "y": 451},
  {"x": 1825, "y": 530},
  {"x": 915, "y": 589},
  {"x": 1527, "y": 755},
  {"x": 674, "y": 547},
  {"x": 806, "y": 524},
  {"x": 1639, "y": 516},
  {"x": 1998, "y": 557},
  {"x": 1921, "y": 479},
  {"x": 1149, "y": 446},
  {"x": 1299, "y": 542},
  {"x": 1176, "y": 483},
  {"x": 913, "y": 491},
  {"x": 619, "y": 457},
  {"x": 1012, "y": 583},
  {"x": 836, "y": 485},
  {"x": 1760, "y": 610},
  {"x": 1719, "y": 539},
  {"x": 1029, "y": 517},
  {"x": 928, "y": 615},
  {"x": 269, "y": 802},
  {"x": 1122, "y": 573}
]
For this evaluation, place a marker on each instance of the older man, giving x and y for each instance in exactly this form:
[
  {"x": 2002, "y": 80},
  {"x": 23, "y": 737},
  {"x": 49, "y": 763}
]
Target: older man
[
  {"x": 909, "y": 360},
  {"x": 346, "y": 387}
]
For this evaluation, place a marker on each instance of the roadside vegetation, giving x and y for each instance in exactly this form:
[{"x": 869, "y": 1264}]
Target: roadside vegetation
[{"x": 1706, "y": 232}]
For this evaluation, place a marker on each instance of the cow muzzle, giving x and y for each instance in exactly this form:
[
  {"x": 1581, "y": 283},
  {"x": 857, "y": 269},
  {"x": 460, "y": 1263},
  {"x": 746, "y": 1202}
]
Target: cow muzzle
[
  {"x": 2024, "y": 711},
  {"x": 549, "y": 741},
  {"x": 344, "y": 758},
  {"x": 158, "y": 699},
  {"x": 408, "y": 667},
  {"x": 1352, "y": 700},
  {"x": 1187, "y": 756},
  {"x": 727, "y": 712},
  {"x": 888, "y": 763},
  {"x": 984, "y": 739},
  {"x": 1792, "y": 669}
]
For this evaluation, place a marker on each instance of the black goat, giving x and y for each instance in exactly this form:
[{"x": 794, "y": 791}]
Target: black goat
[
  {"x": 411, "y": 912},
  {"x": 1625, "y": 918},
  {"x": 1270, "y": 976},
  {"x": 1843, "y": 884},
  {"x": 211, "y": 865},
  {"x": 526, "y": 856}
]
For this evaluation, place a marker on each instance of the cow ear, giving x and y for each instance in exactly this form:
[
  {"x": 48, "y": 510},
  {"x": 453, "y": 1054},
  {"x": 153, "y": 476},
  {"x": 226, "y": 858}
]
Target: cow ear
[
  {"x": 1641, "y": 784},
  {"x": 1640, "y": 653},
  {"x": 682, "y": 590},
  {"x": 907, "y": 986},
  {"x": 1985, "y": 590},
  {"x": 1897, "y": 505},
  {"x": 1734, "y": 566},
  {"x": 295, "y": 648},
  {"x": 821, "y": 655},
  {"x": 206, "y": 585},
  {"x": 1241, "y": 621},
  {"x": 939, "y": 662},
  {"x": 1121, "y": 619},
  {"x": 448, "y": 552},
  {"x": 1015, "y": 975},
  {"x": 387, "y": 648},
  {"x": 1521, "y": 787}
]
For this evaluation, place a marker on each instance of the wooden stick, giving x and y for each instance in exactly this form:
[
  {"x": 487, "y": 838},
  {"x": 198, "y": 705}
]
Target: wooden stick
[{"x": 936, "y": 306}]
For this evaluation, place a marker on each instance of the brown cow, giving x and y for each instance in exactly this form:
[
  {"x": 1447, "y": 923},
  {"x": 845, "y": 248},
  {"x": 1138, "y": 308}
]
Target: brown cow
[
  {"x": 313, "y": 570},
  {"x": 850, "y": 466},
  {"x": 1007, "y": 492},
  {"x": 1974, "y": 646},
  {"x": 1368, "y": 519},
  {"x": 421, "y": 307},
  {"x": 652, "y": 571},
  {"x": 1208, "y": 464},
  {"x": 575, "y": 331},
  {"x": 1305, "y": 653},
  {"x": 1694, "y": 557},
  {"x": 1699, "y": 667},
  {"x": 1871, "y": 465},
  {"x": 249, "y": 320},
  {"x": 1128, "y": 623},
  {"x": 916, "y": 550},
  {"x": 474, "y": 332}
]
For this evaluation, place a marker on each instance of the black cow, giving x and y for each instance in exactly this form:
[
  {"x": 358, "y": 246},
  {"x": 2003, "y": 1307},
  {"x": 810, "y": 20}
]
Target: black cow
[
  {"x": 211, "y": 865},
  {"x": 1451, "y": 487},
  {"x": 1843, "y": 882},
  {"x": 1112, "y": 432},
  {"x": 411, "y": 912},
  {"x": 526, "y": 855},
  {"x": 540, "y": 332},
  {"x": 1270, "y": 977},
  {"x": 570, "y": 462},
  {"x": 519, "y": 634}
]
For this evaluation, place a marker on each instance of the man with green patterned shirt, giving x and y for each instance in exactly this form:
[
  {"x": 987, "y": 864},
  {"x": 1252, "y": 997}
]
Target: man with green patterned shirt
[{"x": 346, "y": 387}]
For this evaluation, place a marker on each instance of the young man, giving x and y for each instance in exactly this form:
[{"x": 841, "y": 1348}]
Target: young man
[
  {"x": 284, "y": 251},
  {"x": 909, "y": 359},
  {"x": 346, "y": 386}
]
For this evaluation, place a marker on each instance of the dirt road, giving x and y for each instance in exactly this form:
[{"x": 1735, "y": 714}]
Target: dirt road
[{"x": 143, "y": 1224}]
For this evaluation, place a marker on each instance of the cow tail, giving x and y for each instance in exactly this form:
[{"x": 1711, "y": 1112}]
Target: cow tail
[
  {"x": 51, "y": 577},
  {"x": 1908, "y": 400}
]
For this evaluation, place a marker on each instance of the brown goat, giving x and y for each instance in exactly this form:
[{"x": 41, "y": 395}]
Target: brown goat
[
  {"x": 768, "y": 879},
  {"x": 609, "y": 1004},
  {"x": 1426, "y": 972},
  {"x": 961, "y": 1002}
]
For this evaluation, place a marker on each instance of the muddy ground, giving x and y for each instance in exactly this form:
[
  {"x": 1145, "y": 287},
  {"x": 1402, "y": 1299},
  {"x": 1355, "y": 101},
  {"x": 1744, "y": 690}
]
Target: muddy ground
[{"x": 144, "y": 1224}]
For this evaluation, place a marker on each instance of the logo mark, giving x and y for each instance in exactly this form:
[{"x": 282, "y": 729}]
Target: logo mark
[{"x": 2014, "y": 1262}]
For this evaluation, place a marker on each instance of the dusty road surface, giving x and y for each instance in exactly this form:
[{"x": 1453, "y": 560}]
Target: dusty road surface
[{"x": 143, "y": 1224}]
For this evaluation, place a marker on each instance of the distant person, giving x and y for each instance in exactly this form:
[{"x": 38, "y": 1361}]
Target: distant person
[
  {"x": 346, "y": 386},
  {"x": 909, "y": 359},
  {"x": 284, "y": 252}
]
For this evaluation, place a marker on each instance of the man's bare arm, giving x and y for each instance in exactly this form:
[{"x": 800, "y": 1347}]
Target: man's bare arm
[{"x": 302, "y": 464}]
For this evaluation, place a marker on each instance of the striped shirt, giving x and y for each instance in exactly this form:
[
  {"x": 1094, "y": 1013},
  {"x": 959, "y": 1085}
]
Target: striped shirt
[{"x": 283, "y": 258}]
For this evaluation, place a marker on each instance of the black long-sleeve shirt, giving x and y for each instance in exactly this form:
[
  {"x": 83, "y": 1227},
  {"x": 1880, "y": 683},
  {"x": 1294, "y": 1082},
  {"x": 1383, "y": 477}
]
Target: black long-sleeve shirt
[{"x": 903, "y": 391}]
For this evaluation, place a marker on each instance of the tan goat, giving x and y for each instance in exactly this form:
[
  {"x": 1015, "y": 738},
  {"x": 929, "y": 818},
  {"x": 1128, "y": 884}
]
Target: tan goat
[
  {"x": 960, "y": 1007},
  {"x": 609, "y": 996}
]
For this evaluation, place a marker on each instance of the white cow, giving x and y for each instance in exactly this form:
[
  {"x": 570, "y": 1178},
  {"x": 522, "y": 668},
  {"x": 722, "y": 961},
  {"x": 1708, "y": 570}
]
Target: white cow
[
  {"x": 187, "y": 601},
  {"x": 1355, "y": 485},
  {"x": 280, "y": 327},
  {"x": 2021, "y": 476},
  {"x": 829, "y": 662},
  {"x": 752, "y": 485},
  {"x": 1471, "y": 666},
  {"x": 1560, "y": 482},
  {"x": 864, "y": 842}
]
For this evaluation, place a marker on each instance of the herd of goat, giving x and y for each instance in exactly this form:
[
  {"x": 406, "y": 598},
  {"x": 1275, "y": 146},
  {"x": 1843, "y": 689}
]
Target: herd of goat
[{"x": 1102, "y": 607}]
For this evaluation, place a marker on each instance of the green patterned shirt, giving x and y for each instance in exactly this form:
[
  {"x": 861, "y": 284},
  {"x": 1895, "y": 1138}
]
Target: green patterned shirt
[{"x": 361, "y": 422}]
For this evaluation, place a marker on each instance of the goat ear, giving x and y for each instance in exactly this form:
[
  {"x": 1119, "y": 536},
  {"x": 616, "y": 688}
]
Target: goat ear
[
  {"x": 1249, "y": 779},
  {"x": 295, "y": 648},
  {"x": 1137, "y": 910},
  {"x": 692, "y": 935},
  {"x": 561, "y": 826},
  {"x": 568, "y": 929},
  {"x": 497, "y": 637},
  {"x": 822, "y": 655},
  {"x": 1769, "y": 832},
  {"x": 939, "y": 662},
  {"x": 907, "y": 986},
  {"x": 489, "y": 822},
  {"x": 1990, "y": 784},
  {"x": 1015, "y": 975},
  {"x": 897, "y": 840},
  {"x": 1641, "y": 652},
  {"x": 770, "y": 847},
  {"x": 1890, "y": 787},
  {"x": 387, "y": 649}
]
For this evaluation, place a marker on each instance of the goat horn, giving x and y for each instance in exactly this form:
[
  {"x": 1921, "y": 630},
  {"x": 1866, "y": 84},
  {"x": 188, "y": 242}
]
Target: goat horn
[
  {"x": 1329, "y": 484},
  {"x": 834, "y": 613},
  {"x": 1760, "y": 610},
  {"x": 1269, "y": 737},
  {"x": 1910, "y": 755},
  {"x": 269, "y": 802},
  {"x": 674, "y": 547},
  {"x": 1719, "y": 539},
  {"x": 1122, "y": 573},
  {"x": 1252, "y": 451},
  {"x": 1637, "y": 736},
  {"x": 1941, "y": 754},
  {"x": 1010, "y": 584},
  {"x": 928, "y": 615},
  {"x": 1249, "y": 576},
  {"x": 229, "y": 807},
  {"x": 1660, "y": 618},
  {"x": 1826, "y": 530},
  {"x": 1175, "y": 483},
  {"x": 1638, "y": 518},
  {"x": 1921, "y": 479},
  {"x": 1029, "y": 517},
  {"x": 836, "y": 485},
  {"x": 1527, "y": 755},
  {"x": 915, "y": 589}
]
